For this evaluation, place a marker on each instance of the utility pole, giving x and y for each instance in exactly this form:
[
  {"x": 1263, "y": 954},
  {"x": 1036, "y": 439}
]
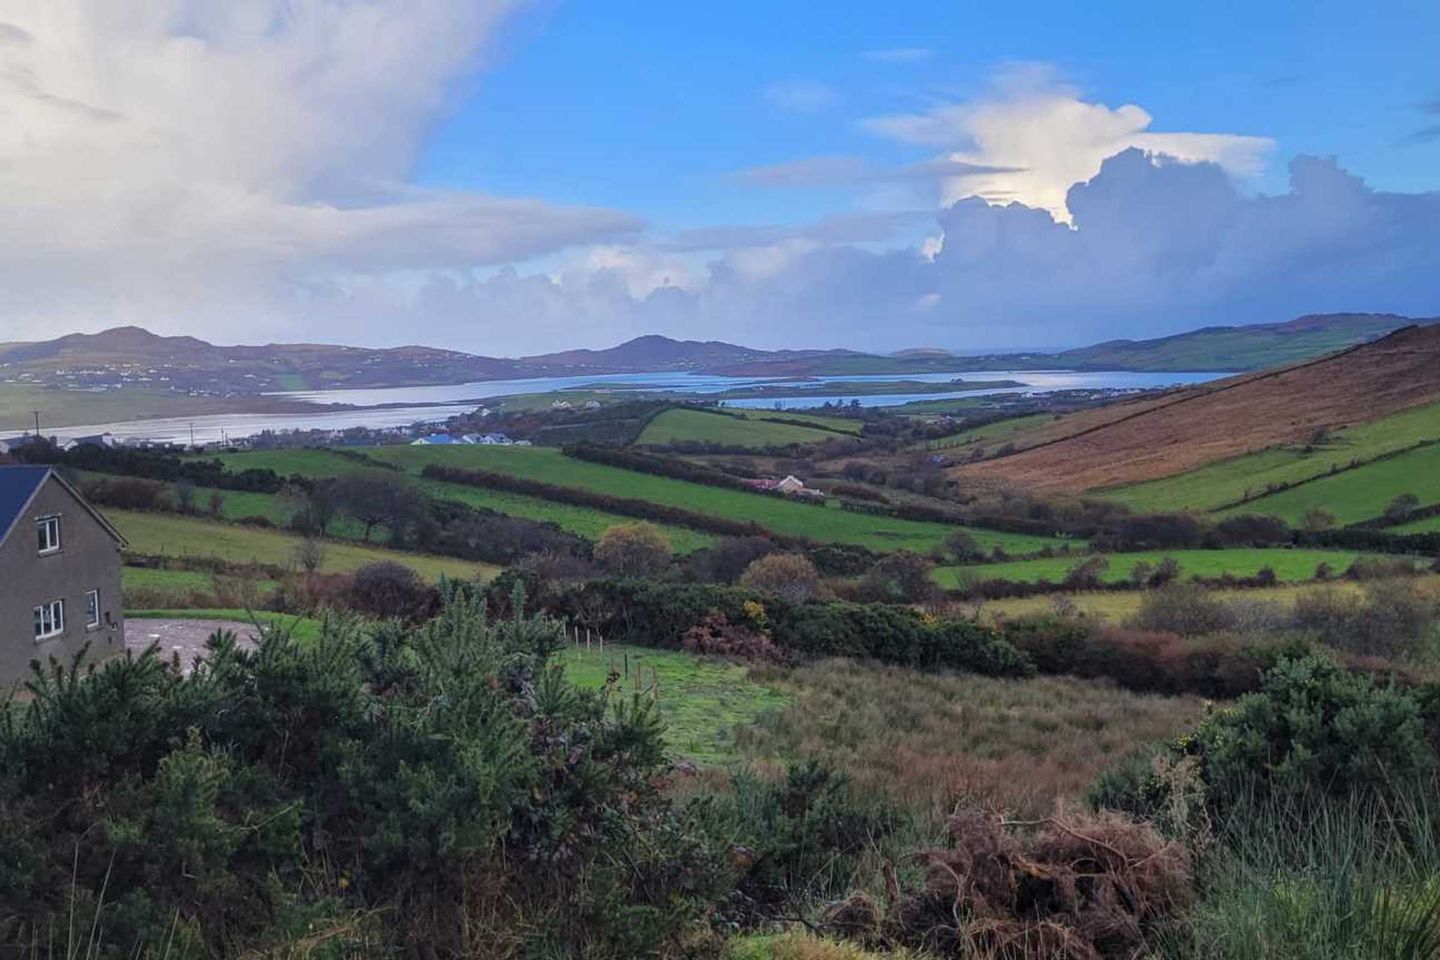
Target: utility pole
[
  {"x": 192, "y": 434},
  {"x": 37, "y": 423}
]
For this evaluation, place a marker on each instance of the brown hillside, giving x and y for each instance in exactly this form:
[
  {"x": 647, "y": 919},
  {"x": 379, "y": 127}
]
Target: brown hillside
[{"x": 1147, "y": 439}]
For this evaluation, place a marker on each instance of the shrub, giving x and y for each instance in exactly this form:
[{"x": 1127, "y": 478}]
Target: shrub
[
  {"x": 1186, "y": 609},
  {"x": 442, "y": 792},
  {"x": 1401, "y": 507},
  {"x": 1391, "y": 618},
  {"x": 901, "y": 577},
  {"x": 1088, "y": 574},
  {"x": 716, "y": 636},
  {"x": 1313, "y": 728},
  {"x": 126, "y": 493},
  {"x": 727, "y": 559},
  {"x": 633, "y": 550},
  {"x": 786, "y": 575},
  {"x": 1077, "y": 886},
  {"x": 1318, "y": 519},
  {"x": 390, "y": 589}
]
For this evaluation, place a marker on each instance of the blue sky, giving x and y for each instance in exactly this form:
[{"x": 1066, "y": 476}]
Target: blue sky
[
  {"x": 647, "y": 106},
  {"x": 517, "y": 176}
]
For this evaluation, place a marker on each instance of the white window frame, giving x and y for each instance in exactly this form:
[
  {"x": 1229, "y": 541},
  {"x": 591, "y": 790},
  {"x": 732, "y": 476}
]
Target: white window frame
[
  {"x": 54, "y": 612},
  {"x": 92, "y": 609},
  {"x": 43, "y": 524}
]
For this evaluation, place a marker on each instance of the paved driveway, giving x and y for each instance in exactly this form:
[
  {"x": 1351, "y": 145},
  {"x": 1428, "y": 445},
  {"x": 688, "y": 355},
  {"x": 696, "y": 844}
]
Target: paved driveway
[{"x": 185, "y": 637}]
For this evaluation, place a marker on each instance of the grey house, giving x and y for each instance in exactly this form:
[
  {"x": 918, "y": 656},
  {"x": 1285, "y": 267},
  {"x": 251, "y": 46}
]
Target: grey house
[{"x": 59, "y": 573}]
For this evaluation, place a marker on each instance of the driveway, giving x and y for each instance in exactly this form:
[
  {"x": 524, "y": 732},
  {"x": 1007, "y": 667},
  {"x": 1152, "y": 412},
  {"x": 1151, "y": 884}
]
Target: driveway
[{"x": 184, "y": 637}]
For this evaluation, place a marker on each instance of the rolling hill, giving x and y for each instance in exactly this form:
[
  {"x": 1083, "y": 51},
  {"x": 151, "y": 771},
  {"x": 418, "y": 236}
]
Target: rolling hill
[
  {"x": 1179, "y": 431},
  {"x": 1241, "y": 348},
  {"x": 140, "y": 360}
]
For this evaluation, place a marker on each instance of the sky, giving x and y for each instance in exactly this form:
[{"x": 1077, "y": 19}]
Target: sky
[{"x": 507, "y": 178}]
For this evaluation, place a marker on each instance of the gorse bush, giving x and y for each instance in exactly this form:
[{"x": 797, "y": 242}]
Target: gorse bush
[{"x": 445, "y": 782}]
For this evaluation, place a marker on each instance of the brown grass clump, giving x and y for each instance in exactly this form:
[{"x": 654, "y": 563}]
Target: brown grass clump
[
  {"x": 1091, "y": 887},
  {"x": 929, "y": 741}
]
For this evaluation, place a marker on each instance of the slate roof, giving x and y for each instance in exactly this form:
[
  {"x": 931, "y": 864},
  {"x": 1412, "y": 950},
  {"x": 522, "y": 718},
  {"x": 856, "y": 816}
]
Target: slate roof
[{"x": 17, "y": 486}]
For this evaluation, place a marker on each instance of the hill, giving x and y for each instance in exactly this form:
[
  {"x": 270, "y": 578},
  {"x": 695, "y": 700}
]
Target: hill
[
  {"x": 1185, "y": 429},
  {"x": 1240, "y": 348},
  {"x": 135, "y": 358}
]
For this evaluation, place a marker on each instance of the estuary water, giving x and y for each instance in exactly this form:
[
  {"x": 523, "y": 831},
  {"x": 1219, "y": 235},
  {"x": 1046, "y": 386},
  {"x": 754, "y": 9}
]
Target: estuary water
[{"x": 402, "y": 406}]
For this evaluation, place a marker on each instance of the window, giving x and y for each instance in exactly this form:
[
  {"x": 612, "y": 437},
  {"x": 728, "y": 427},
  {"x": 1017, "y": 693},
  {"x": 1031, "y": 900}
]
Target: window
[
  {"x": 49, "y": 534},
  {"x": 92, "y": 609},
  {"x": 49, "y": 619}
]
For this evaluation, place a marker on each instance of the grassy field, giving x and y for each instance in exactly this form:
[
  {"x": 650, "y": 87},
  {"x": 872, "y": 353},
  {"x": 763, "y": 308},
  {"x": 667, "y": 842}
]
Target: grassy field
[
  {"x": 194, "y": 581},
  {"x": 1117, "y": 606},
  {"x": 927, "y": 740},
  {"x": 680, "y": 425},
  {"x": 1289, "y": 565},
  {"x": 1227, "y": 481},
  {"x": 702, "y": 700},
  {"x": 842, "y": 424},
  {"x": 996, "y": 434},
  {"x": 159, "y": 534},
  {"x": 1356, "y": 495},
  {"x": 583, "y": 521},
  {"x": 828, "y": 524},
  {"x": 1428, "y": 525}
]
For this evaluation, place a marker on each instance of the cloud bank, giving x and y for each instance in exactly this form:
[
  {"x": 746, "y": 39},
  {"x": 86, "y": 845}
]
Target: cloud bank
[
  {"x": 189, "y": 163},
  {"x": 239, "y": 171}
]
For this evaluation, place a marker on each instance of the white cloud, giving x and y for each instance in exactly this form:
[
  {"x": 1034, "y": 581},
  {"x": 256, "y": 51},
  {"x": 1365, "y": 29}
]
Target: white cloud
[
  {"x": 800, "y": 96},
  {"x": 191, "y": 163},
  {"x": 899, "y": 55},
  {"x": 1033, "y": 139}
]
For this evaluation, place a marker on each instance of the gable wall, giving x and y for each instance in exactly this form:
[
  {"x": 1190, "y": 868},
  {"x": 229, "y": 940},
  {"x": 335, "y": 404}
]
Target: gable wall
[{"x": 89, "y": 558}]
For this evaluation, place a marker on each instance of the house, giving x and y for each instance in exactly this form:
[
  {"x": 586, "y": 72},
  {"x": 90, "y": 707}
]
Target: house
[
  {"x": 14, "y": 444},
  {"x": 106, "y": 440},
  {"x": 791, "y": 484},
  {"x": 59, "y": 574},
  {"x": 434, "y": 439}
]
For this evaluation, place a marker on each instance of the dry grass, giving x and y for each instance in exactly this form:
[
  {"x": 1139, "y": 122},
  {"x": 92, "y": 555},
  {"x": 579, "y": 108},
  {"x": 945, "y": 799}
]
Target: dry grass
[
  {"x": 931, "y": 741},
  {"x": 1183, "y": 430},
  {"x": 1120, "y": 605}
]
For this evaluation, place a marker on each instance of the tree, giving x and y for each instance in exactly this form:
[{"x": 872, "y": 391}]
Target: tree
[
  {"x": 373, "y": 497},
  {"x": 1401, "y": 506},
  {"x": 788, "y": 576},
  {"x": 961, "y": 547},
  {"x": 185, "y": 496},
  {"x": 216, "y": 504},
  {"x": 1317, "y": 520},
  {"x": 309, "y": 554},
  {"x": 633, "y": 550},
  {"x": 902, "y": 577},
  {"x": 389, "y": 589}
]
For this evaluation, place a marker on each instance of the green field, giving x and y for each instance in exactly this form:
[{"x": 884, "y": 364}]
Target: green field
[
  {"x": 697, "y": 426},
  {"x": 701, "y": 699},
  {"x": 1359, "y": 494},
  {"x": 1289, "y": 565},
  {"x": 160, "y": 534},
  {"x": 1428, "y": 525},
  {"x": 824, "y": 421},
  {"x": 826, "y": 524},
  {"x": 998, "y": 433},
  {"x": 1217, "y": 484},
  {"x": 582, "y": 521}
]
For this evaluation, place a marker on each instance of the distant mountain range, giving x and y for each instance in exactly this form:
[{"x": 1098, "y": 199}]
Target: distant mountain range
[{"x": 131, "y": 356}]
